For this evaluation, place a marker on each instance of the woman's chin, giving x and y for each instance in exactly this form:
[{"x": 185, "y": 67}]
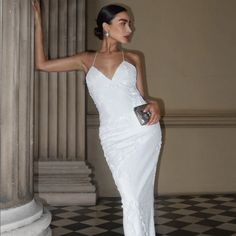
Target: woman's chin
[{"x": 125, "y": 40}]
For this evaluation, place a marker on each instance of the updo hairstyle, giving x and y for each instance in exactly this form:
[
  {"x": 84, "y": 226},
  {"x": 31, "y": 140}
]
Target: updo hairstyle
[{"x": 106, "y": 14}]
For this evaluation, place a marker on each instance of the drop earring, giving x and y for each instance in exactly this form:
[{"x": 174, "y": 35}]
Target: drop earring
[{"x": 107, "y": 34}]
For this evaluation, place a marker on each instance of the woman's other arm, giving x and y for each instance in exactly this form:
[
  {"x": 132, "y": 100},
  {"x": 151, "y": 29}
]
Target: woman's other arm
[{"x": 152, "y": 106}]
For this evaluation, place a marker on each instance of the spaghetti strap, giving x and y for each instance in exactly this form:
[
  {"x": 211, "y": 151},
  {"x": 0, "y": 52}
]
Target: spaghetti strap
[
  {"x": 94, "y": 58},
  {"x": 123, "y": 54}
]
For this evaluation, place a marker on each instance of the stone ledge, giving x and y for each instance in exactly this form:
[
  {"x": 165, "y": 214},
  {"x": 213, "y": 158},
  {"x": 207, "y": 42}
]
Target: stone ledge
[
  {"x": 67, "y": 199},
  {"x": 64, "y": 167},
  {"x": 69, "y": 188},
  {"x": 64, "y": 183}
]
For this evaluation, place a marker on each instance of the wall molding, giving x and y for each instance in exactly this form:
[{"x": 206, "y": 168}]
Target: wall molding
[{"x": 191, "y": 119}]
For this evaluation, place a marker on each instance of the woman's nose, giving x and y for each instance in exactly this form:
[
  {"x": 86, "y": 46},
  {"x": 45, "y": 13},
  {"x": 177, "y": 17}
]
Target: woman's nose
[{"x": 129, "y": 29}]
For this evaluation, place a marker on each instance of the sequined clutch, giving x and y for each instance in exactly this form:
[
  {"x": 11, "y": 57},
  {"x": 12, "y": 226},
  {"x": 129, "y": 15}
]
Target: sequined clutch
[{"x": 143, "y": 117}]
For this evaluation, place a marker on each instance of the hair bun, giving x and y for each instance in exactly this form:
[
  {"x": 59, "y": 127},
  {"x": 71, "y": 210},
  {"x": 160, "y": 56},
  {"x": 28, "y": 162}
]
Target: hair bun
[{"x": 98, "y": 32}]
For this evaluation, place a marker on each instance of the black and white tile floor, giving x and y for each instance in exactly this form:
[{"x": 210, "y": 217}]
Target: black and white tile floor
[{"x": 181, "y": 215}]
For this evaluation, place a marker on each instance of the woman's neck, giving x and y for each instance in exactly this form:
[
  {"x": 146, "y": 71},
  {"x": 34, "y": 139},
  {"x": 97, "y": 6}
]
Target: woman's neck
[{"x": 109, "y": 46}]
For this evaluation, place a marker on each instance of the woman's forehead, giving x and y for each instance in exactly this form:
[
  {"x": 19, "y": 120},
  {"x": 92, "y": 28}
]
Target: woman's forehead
[{"x": 122, "y": 16}]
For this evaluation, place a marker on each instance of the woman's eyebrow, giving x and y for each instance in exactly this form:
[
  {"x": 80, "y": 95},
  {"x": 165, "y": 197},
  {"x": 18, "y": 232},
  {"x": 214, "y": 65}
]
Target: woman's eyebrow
[{"x": 125, "y": 20}]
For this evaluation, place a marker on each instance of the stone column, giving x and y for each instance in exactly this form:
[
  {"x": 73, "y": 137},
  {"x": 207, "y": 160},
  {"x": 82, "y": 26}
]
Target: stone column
[{"x": 20, "y": 213}]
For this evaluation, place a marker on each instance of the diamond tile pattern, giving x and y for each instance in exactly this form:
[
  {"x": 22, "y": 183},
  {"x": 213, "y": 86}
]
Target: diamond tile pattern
[{"x": 201, "y": 215}]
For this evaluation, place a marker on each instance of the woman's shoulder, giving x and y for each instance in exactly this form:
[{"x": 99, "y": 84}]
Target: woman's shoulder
[
  {"x": 87, "y": 57},
  {"x": 132, "y": 56}
]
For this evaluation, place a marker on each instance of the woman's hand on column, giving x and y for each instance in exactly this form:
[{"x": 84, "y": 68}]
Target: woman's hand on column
[{"x": 37, "y": 12}]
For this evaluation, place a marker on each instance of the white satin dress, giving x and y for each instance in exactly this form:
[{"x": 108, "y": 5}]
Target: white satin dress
[{"x": 130, "y": 149}]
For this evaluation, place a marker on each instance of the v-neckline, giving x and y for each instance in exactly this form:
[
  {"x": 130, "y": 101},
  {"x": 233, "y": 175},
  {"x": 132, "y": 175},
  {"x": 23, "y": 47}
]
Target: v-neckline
[{"x": 115, "y": 71}]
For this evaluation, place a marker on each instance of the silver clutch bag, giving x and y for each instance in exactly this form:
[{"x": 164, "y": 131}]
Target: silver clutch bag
[{"x": 143, "y": 117}]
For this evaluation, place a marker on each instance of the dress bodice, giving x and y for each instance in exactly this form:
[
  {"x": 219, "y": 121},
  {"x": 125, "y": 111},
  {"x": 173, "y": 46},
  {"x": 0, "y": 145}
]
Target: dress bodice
[{"x": 115, "y": 97}]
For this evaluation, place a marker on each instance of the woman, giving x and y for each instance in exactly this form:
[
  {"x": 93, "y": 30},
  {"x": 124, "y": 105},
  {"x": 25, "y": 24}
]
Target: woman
[{"x": 114, "y": 81}]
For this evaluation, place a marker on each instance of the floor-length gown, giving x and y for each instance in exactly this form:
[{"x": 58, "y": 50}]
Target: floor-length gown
[{"x": 131, "y": 150}]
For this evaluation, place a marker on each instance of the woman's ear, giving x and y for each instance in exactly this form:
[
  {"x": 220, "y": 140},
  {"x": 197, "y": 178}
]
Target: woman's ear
[{"x": 105, "y": 27}]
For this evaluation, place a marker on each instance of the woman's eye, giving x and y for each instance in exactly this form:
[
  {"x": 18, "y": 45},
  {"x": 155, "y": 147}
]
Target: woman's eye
[{"x": 122, "y": 23}]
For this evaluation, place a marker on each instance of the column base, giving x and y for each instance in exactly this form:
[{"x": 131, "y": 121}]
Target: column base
[
  {"x": 67, "y": 199},
  {"x": 31, "y": 219},
  {"x": 64, "y": 183}
]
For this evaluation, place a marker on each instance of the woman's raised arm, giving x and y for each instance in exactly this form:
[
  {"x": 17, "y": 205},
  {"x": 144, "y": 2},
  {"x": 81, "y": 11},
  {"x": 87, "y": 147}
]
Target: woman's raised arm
[{"x": 41, "y": 63}]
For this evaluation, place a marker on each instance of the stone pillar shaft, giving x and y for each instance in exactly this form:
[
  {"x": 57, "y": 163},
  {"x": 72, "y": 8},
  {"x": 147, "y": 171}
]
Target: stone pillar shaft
[
  {"x": 16, "y": 104},
  {"x": 20, "y": 214}
]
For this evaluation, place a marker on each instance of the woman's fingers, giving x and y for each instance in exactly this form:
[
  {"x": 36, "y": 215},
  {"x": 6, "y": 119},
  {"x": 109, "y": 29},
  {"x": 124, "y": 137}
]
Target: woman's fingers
[
  {"x": 34, "y": 3},
  {"x": 153, "y": 119},
  {"x": 155, "y": 113},
  {"x": 33, "y": 6},
  {"x": 37, "y": 12},
  {"x": 36, "y": 6},
  {"x": 147, "y": 108}
]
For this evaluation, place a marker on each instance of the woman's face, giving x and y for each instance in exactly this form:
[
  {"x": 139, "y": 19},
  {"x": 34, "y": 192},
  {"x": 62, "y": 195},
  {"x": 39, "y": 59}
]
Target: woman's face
[{"x": 119, "y": 29}]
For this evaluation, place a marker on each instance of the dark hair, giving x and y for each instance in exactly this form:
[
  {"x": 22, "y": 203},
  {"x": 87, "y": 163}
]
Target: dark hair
[{"x": 106, "y": 14}]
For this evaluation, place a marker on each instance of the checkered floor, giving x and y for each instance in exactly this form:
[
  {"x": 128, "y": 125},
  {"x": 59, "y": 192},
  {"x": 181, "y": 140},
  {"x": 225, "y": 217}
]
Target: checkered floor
[{"x": 182, "y": 215}]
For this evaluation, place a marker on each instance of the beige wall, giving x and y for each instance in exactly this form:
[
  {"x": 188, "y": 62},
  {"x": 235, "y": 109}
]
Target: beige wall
[{"x": 189, "y": 50}]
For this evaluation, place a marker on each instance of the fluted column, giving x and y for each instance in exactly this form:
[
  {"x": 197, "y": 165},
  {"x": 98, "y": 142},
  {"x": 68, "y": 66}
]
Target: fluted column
[
  {"x": 62, "y": 175},
  {"x": 60, "y": 97},
  {"x": 20, "y": 213}
]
